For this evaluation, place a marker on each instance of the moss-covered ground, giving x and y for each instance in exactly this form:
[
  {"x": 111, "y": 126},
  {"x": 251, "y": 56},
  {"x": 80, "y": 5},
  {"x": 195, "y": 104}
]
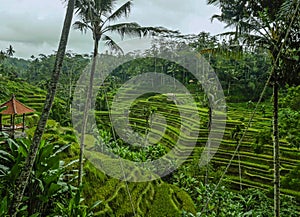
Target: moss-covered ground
[{"x": 256, "y": 150}]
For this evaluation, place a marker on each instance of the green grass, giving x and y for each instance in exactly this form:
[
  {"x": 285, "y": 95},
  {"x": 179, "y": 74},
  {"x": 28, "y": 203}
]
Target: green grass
[
  {"x": 158, "y": 198},
  {"x": 257, "y": 168}
]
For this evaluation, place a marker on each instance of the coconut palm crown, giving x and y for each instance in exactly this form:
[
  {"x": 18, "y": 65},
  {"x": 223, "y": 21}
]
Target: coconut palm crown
[{"x": 99, "y": 17}]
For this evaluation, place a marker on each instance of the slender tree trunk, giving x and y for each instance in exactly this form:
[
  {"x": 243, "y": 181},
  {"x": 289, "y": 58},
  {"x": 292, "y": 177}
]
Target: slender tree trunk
[
  {"x": 209, "y": 117},
  {"x": 240, "y": 169},
  {"x": 86, "y": 110},
  {"x": 208, "y": 151},
  {"x": 22, "y": 180},
  {"x": 207, "y": 165},
  {"x": 228, "y": 90},
  {"x": 276, "y": 148},
  {"x": 70, "y": 89}
]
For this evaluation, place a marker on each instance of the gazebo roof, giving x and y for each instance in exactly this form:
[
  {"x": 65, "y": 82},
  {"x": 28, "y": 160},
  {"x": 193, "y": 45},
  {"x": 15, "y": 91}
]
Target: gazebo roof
[{"x": 15, "y": 107}]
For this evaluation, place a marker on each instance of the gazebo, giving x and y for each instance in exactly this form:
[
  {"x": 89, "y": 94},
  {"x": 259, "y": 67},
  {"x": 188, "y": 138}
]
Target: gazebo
[{"x": 13, "y": 107}]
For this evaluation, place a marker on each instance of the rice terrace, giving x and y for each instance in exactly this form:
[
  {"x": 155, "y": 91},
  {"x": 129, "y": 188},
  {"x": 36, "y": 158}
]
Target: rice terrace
[{"x": 130, "y": 110}]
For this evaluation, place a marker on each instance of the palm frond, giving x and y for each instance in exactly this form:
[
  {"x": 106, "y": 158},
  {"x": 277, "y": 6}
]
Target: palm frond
[
  {"x": 134, "y": 29},
  {"x": 83, "y": 27},
  {"x": 124, "y": 10},
  {"x": 216, "y": 17},
  {"x": 286, "y": 8},
  {"x": 85, "y": 8},
  {"x": 112, "y": 44},
  {"x": 221, "y": 18},
  {"x": 226, "y": 33},
  {"x": 256, "y": 40},
  {"x": 105, "y": 5},
  {"x": 213, "y": 2},
  {"x": 155, "y": 31},
  {"x": 130, "y": 29}
]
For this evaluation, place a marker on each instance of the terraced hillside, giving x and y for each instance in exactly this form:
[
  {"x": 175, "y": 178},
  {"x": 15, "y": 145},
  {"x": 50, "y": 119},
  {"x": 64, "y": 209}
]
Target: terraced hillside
[
  {"x": 256, "y": 151},
  {"x": 119, "y": 198},
  {"x": 255, "y": 156},
  {"x": 146, "y": 197},
  {"x": 256, "y": 159},
  {"x": 30, "y": 95}
]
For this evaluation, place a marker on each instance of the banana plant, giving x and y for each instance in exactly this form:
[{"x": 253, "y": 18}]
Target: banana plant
[
  {"x": 75, "y": 206},
  {"x": 49, "y": 181}
]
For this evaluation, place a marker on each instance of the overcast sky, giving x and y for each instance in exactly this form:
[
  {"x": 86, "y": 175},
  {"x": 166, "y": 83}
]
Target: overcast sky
[{"x": 33, "y": 26}]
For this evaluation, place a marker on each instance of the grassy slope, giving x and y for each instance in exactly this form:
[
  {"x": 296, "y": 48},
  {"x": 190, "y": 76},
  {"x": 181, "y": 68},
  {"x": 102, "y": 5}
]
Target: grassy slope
[
  {"x": 154, "y": 199},
  {"x": 27, "y": 94},
  {"x": 257, "y": 168},
  {"x": 149, "y": 198},
  {"x": 24, "y": 92}
]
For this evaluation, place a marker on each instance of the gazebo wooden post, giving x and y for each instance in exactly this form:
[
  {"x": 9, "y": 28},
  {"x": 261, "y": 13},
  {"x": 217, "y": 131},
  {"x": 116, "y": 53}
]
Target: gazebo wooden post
[
  {"x": 13, "y": 126},
  {"x": 0, "y": 122},
  {"x": 23, "y": 122}
]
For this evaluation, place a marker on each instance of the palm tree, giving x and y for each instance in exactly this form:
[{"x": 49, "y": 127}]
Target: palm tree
[
  {"x": 2, "y": 55},
  {"x": 10, "y": 51},
  {"x": 22, "y": 180},
  {"x": 268, "y": 25},
  {"x": 96, "y": 16}
]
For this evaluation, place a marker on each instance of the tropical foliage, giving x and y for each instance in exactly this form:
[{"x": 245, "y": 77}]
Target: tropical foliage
[
  {"x": 260, "y": 46},
  {"x": 50, "y": 179}
]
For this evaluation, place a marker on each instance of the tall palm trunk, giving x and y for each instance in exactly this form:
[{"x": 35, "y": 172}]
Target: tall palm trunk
[
  {"x": 276, "y": 147},
  {"x": 22, "y": 180},
  {"x": 86, "y": 110}
]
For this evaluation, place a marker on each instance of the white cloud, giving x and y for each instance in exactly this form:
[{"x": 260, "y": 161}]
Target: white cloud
[{"x": 34, "y": 26}]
